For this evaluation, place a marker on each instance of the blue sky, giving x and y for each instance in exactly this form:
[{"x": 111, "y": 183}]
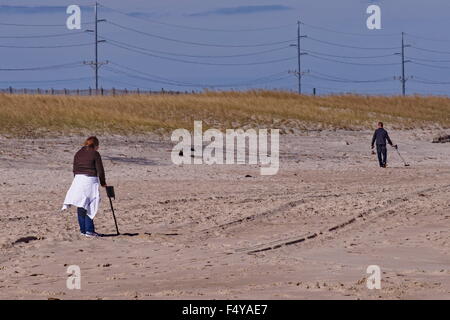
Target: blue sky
[{"x": 187, "y": 44}]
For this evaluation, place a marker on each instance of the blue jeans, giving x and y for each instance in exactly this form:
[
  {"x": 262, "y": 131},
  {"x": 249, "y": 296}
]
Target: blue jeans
[
  {"x": 86, "y": 223},
  {"x": 382, "y": 154}
]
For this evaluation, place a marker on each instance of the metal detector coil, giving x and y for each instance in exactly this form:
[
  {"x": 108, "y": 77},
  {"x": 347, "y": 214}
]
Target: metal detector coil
[{"x": 110, "y": 192}]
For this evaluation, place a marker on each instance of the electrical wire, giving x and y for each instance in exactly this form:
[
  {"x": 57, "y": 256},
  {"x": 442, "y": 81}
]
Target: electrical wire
[
  {"x": 429, "y": 50},
  {"x": 49, "y": 81},
  {"x": 194, "y": 56},
  {"x": 162, "y": 78},
  {"x": 348, "y": 57},
  {"x": 200, "y": 43},
  {"x": 426, "y": 60},
  {"x": 201, "y": 63},
  {"x": 427, "y": 81},
  {"x": 149, "y": 77},
  {"x": 39, "y": 25},
  {"x": 346, "y": 90},
  {"x": 350, "y": 46},
  {"x": 339, "y": 79},
  {"x": 354, "y": 81},
  {"x": 56, "y": 66},
  {"x": 48, "y": 47},
  {"x": 430, "y": 65},
  {"x": 44, "y": 36},
  {"x": 176, "y": 56},
  {"x": 254, "y": 81},
  {"x": 354, "y": 63},
  {"x": 122, "y": 82}
]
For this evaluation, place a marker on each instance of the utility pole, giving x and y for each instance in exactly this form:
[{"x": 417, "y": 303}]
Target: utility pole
[
  {"x": 298, "y": 73},
  {"x": 403, "y": 77},
  {"x": 403, "y": 65},
  {"x": 299, "y": 59},
  {"x": 96, "y": 46},
  {"x": 96, "y": 64}
]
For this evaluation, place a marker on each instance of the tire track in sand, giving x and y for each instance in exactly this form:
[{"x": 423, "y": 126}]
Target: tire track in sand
[
  {"x": 381, "y": 209},
  {"x": 285, "y": 207}
]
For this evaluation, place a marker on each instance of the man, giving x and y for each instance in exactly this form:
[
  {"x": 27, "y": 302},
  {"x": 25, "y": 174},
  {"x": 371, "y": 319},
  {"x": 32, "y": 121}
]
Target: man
[{"x": 380, "y": 136}]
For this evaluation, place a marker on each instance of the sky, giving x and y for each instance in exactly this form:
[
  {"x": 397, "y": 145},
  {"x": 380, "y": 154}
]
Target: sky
[{"x": 217, "y": 44}]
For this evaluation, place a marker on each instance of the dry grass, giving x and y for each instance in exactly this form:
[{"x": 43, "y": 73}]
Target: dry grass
[{"x": 22, "y": 115}]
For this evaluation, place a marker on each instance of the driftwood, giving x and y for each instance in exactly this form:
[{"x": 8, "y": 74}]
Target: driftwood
[{"x": 442, "y": 139}]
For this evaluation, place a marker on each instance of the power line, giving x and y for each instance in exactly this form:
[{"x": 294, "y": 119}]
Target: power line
[
  {"x": 338, "y": 79},
  {"x": 263, "y": 78},
  {"x": 426, "y": 60},
  {"x": 149, "y": 75},
  {"x": 272, "y": 47},
  {"x": 434, "y": 92},
  {"x": 350, "y": 46},
  {"x": 354, "y": 81},
  {"x": 347, "y": 57},
  {"x": 122, "y": 82},
  {"x": 195, "y": 85},
  {"x": 429, "y": 50},
  {"x": 38, "y": 25},
  {"x": 145, "y": 78},
  {"x": 47, "y": 47},
  {"x": 354, "y": 63},
  {"x": 43, "y": 35},
  {"x": 49, "y": 81},
  {"x": 195, "y": 56},
  {"x": 426, "y": 81},
  {"x": 199, "y": 43},
  {"x": 57, "y": 66},
  {"x": 180, "y": 83},
  {"x": 430, "y": 65},
  {"x": 339, "y": 90},
  {"x": 198, "y": 62}
]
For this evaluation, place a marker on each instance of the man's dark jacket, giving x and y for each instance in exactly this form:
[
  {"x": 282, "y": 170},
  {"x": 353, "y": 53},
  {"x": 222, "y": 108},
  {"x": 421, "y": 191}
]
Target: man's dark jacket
[{"x": 380, "y": 136}]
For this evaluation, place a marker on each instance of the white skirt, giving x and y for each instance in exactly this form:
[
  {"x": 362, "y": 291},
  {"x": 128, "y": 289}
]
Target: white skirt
[{"x": 84, "y": 193}]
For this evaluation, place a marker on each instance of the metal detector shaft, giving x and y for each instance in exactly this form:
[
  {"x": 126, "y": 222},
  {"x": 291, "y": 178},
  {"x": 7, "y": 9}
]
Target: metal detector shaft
[
  {"x": 398, "y": 152},
  {"x": 114, "y": 216}
]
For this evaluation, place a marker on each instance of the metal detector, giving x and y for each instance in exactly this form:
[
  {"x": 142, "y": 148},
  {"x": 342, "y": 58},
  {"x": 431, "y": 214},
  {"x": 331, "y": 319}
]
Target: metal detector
[
  {"x": 398, "y": 152},
  {"x": 111, "y": 194}
]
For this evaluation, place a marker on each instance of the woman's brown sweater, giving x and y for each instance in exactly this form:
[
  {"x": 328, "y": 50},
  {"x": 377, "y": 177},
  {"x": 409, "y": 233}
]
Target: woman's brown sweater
[{"x": 89, "y": 162}]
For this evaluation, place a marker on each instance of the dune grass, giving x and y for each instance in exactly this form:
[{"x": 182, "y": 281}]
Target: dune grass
[{"x": 28, "y": 116}]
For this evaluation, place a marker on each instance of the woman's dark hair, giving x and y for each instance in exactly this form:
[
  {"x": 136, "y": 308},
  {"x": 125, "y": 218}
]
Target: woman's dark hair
[{"x": 91, "y": 142}]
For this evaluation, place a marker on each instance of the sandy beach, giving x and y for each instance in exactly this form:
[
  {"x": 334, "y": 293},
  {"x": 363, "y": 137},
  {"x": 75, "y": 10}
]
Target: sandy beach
[{"x": 225, "y": 231}]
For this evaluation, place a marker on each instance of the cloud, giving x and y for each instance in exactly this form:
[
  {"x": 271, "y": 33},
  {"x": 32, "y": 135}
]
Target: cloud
[
  {"x": 5, "y": 9},
  {"x": 242, "y": 10},
  {"x": 138, "y": 14}
]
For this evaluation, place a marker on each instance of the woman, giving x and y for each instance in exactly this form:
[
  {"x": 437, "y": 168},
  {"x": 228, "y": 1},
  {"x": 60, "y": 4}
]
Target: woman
[{"x": 84, "y": 191}]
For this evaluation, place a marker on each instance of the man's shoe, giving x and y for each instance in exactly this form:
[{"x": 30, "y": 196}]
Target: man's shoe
[{"x": 92, "y": 235}]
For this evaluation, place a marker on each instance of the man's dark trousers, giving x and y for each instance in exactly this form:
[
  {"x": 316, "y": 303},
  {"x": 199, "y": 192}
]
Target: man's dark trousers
[{"x": 382, "y": 154}]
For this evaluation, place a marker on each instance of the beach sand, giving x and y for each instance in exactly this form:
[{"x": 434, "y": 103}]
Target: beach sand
[{"x": 225, "y": 231}]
